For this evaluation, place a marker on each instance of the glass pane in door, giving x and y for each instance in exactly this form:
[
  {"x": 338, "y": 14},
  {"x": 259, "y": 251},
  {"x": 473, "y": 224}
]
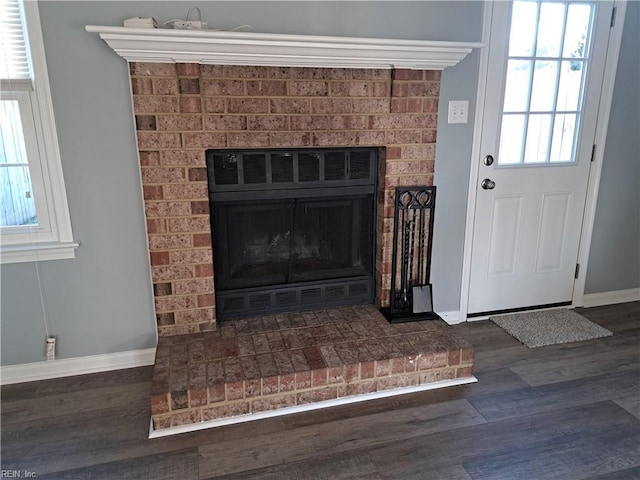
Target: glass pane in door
[
  {"x": 512, "y": 139},
  {"x": 550, "y": 29},
  {"x": 545, "y": 76},
  {"x": 544, "y": 81}
]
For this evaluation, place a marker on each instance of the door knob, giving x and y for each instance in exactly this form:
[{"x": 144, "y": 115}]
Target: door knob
[{"x": 488, "y": 184}]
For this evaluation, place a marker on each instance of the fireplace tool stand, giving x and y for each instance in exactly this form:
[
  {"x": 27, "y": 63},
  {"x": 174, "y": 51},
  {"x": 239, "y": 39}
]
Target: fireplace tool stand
[{"x": 411, "y": 293}]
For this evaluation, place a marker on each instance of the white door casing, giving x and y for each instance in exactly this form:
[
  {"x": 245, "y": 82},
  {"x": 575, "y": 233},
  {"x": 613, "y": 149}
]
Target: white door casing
[{"x": 527, "y": 230}]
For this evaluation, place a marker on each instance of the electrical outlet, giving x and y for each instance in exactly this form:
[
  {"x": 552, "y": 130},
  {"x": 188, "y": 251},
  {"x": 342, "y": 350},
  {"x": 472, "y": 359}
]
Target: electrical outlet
[
  {"x": 51, "y": 348},
  {"x": 458, "y": 111},
  {"x": 189, "y": 25}
]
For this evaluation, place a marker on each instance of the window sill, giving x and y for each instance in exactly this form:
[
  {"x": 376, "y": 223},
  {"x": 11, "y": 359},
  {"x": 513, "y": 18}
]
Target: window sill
[{"x": 38, "y": 252}]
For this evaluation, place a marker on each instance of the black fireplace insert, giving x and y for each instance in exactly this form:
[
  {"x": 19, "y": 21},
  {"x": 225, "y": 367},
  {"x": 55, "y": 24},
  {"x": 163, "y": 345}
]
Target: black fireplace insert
[{"x": 292, "y": 229}]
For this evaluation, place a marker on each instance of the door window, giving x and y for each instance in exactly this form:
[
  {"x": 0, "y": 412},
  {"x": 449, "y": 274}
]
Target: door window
[{"x": 545, "y": 75}]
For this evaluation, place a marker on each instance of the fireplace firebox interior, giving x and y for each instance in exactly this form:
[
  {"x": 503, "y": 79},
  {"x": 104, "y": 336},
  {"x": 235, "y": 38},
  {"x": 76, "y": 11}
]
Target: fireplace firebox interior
[{"x": 292, "y": 229}]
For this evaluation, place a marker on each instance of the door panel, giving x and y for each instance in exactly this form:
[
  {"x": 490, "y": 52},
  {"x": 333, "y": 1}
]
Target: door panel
[
  {"x": 553, "y": 231},
  {"x": 505, "y": 228},
  {"x": 539, "y": 124}
]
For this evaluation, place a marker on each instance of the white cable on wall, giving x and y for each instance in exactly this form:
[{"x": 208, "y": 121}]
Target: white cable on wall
[{"x": 50, "y": 341}]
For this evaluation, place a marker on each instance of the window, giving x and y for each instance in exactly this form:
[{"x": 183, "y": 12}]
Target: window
[
  {"x": 34, "y": 216},
  {"x": 547, "y": 63}
]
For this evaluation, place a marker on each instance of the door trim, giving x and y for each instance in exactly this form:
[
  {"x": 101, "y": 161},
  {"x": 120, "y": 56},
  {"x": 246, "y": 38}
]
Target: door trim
[
  {"x": 483, "y": 74},
  {"x": 602, "y": 124}
]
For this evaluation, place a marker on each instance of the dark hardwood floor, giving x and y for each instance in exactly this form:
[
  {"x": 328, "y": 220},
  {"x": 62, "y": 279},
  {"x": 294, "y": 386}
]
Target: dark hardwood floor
[{"x": 560, "y": 412}]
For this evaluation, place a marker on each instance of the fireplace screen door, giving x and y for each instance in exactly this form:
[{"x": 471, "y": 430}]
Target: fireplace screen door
[
  {"x": 284, "y": 245},
  {"x": 289, "y": 241}
]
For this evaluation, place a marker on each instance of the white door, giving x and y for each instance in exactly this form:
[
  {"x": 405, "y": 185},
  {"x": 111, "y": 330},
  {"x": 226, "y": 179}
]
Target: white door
[{"x": 546, "y": 64}]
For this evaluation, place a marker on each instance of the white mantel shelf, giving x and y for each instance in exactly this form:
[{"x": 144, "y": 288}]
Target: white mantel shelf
[{"x": 266, "y": 49}]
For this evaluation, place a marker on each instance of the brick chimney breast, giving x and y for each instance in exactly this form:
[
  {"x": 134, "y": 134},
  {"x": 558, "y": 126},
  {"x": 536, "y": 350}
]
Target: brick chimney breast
[{"x": 184, "y": 109}]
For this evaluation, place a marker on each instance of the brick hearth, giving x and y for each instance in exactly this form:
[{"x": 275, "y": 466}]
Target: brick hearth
[{"x": 286, "y": 360}]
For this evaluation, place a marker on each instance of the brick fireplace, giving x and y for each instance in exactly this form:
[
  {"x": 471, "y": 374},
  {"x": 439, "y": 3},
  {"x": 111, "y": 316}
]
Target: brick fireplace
[
  {"x": 181, "y": 110},
  {"x": 202, "y": 91}
]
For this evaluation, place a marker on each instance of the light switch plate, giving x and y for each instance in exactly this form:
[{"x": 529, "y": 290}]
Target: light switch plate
[{"x": 458, "y": 111}]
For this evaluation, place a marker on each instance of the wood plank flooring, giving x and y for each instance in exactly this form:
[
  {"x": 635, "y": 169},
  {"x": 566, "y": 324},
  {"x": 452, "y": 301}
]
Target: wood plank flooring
[{"x": 560, "y": 412}]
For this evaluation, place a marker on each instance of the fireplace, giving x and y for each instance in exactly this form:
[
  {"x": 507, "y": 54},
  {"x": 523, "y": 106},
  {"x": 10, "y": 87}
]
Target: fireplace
[
  {"x": 188, "y": 113},
  {"x": 185, "y": 110},
  {"x": 276, "y": 158},
  {"x": 199, "y": 90},
  {"x": 292, "y": 229}
]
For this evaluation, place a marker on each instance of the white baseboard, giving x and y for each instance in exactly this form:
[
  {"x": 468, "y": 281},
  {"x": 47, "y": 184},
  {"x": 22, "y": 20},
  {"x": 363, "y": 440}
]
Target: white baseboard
[
  {"x": 611, "y": 298},
  {"x": 451, "y": 317},
  {"x": 220, "y": 422},
  {"x": 67, "y": 367}
]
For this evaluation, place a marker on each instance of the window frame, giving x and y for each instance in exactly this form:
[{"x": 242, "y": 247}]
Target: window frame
[{"x": 52, "y": 238}]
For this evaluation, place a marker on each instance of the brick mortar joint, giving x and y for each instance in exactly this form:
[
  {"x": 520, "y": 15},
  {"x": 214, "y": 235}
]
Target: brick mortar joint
[
  {"x": 330, "y": 385},
  {"x": 223, "y": 77},
  {"x": 270, "y": 396},
  {"x": 293, "y": 393}
]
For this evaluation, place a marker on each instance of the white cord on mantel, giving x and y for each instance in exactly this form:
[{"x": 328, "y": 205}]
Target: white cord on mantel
[{"x": 235, "y": 29}]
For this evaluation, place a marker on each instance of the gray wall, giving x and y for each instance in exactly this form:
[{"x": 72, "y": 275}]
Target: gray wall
[
  {"x": 614, "y": 261},
  {"x": 101, "y": 302},
  {"x": 453, "y": 164}
]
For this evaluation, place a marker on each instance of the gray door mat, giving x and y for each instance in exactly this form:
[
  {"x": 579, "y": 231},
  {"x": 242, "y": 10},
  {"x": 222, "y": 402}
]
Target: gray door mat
[{"x": 549, "y": 327}]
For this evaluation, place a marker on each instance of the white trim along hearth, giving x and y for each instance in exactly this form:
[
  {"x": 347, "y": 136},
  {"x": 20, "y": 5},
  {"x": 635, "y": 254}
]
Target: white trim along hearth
[{"x": 221, "y": 422}]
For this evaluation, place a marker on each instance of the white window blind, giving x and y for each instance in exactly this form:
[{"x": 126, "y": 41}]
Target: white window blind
[{"x": 15, "y": 67}]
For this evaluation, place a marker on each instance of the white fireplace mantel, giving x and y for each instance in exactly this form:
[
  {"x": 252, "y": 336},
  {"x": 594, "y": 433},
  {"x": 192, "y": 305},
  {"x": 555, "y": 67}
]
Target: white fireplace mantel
[{"x": 266, "y": 49}]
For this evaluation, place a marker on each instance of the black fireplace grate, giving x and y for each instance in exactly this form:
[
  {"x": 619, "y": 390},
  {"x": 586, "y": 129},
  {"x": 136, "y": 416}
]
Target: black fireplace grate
[
  {"x": 243, "y": 170},
  {"x": 305, "y": 296}
]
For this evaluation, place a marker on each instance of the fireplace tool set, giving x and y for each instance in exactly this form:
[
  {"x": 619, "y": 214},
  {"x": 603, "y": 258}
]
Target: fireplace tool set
[{"x": 411, "y": 292}]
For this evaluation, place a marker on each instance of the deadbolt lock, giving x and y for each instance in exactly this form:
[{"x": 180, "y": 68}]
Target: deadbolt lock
[{"x": 488, "y": 160}]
